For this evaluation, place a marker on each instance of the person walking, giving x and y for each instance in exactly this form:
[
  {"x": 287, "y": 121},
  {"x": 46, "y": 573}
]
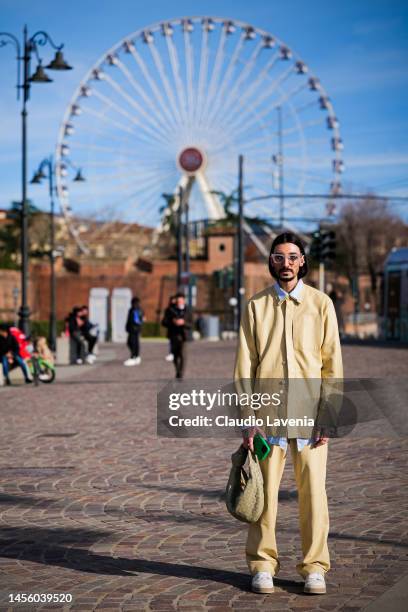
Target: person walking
[
  {"x": 177, "y": 325},
  {"x": 10, "y": 354},
  {"x": 165, "y": 323},
  {"x": 134, "y": 327},
  {"x": 289, "y": 330}
]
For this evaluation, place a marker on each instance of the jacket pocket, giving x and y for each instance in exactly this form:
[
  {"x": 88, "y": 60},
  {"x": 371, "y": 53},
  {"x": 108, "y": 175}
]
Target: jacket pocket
[{"x": 306, "y": 333}]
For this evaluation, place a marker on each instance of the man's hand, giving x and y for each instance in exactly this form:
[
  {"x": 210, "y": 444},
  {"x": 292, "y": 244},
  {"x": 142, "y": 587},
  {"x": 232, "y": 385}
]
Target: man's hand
[
  {"x": 178, "y": 322},
  {"x": 320, "y": 440},
  {"x": 248, "y": 437}
]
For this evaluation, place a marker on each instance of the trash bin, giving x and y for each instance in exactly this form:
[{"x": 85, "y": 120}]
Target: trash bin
[{"x": 211, "y": 327}]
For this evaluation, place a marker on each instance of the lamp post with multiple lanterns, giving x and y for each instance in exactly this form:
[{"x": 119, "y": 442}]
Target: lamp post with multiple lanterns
[
  {"x": 46, "y": 170},
  {"x": 25, "y": 51}
]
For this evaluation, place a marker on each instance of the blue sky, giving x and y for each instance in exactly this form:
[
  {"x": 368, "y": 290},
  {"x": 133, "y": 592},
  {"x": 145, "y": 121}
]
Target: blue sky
[{"x": 359, "y": 50}]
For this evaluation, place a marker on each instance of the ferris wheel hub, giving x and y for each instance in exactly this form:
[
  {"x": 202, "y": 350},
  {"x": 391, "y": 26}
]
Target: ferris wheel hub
[{"x": 191, "y": 160}]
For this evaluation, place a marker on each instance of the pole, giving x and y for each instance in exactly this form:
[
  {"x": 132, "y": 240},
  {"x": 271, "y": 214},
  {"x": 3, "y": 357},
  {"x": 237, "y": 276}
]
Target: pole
[
  {"x": 53, "y": 292},
  {"x": 180, "y": 238},
  {"x": 187, "y": 271},
  {"x": 280, "y": 167},
  {"x": 321, "y": 276},
  {"x": 241, "y": 288},
  {"x": 187, "y": 255},
  {"x": 236, "y": 280},
  {"x": 24, "y": 313}
]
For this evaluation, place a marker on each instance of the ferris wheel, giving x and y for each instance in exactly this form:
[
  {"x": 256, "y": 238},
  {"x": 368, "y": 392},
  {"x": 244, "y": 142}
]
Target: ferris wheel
[{"x": 174, "y": 104}]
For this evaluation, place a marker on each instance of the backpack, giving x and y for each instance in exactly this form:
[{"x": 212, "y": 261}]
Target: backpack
[{"x": 137, "y": 317}]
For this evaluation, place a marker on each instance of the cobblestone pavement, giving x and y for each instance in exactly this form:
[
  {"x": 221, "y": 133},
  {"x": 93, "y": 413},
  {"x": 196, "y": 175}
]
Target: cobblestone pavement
[{"x": 92, "y": 503}]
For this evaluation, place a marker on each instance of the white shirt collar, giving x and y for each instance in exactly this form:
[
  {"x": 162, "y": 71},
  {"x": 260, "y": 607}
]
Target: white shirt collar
[{"x": 296, "y": 293}]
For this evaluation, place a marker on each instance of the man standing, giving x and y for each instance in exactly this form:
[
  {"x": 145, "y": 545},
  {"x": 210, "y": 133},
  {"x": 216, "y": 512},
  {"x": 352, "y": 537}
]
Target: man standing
[
  {"x": 176, "y": 321},
  {"x": 289, "y": 330},
  {"x": 134, "y": 327}
]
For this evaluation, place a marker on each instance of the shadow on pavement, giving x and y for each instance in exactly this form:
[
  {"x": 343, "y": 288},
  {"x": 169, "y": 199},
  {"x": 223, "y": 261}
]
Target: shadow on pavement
[
  {"x": 372, "y": 342},
  {"x": 81, "y": 560},
  {"x": 362, "y": 538},
  {"x": 54, "y": 547},
  {"x": 27, "y": 500},
  {"x": 58, "y": 547}
]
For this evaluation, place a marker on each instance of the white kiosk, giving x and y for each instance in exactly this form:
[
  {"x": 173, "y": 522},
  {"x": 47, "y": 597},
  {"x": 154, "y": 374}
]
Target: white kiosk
[
  {"x": 98, "y": 310},
  {"x": 121, "y": 298}
]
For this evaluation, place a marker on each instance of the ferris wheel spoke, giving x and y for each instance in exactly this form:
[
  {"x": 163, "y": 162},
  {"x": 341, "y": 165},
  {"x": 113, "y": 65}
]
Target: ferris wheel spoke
[
  {"x": 307, "y": 124},
  {"x": 94, "y": 147},
  {"x": 234, "y": 91},
  {"x": 97, "y": 177},
  {"x": 141, "y": 187},
  {"x": 202, "y": 74},
  {"x": 150, "y": 103},
  {"x": 226, "y": 80},
  {"x": 216, "y": 71},
  {"x": 149, "y": 133},
  {"x": 109, "y": 120},
  {"x": 109, "y": 164},
  {"x": 188, "y": 52},
  {"x": 235, "y": 94},
  {"x": 104, "y": 135},
  {"x": 134, "y": 104},
  {"x": 250, "y": 109},
  {"x": 240, "y": 132},
  {"x": 305, "y": 107},
  {"x": 272, "y": 106},
  {"x": 152, "y": 84},
  {"x": 318, "y": 178},
  {"x": 175, "y": 67},
  {"x": 165, "y": 82}
]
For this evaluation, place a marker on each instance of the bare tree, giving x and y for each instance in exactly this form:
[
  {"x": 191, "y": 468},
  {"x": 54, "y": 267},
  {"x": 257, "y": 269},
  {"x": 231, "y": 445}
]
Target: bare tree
[{"x": 366, "y": 232}]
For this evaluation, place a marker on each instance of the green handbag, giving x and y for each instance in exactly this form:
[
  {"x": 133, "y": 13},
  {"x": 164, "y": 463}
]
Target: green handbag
[{"x": 245, "y": 491}]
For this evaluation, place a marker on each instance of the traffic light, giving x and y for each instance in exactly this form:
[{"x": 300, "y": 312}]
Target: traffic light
[
  {"x": 224, "y": 279},
  {"x": 316, "y": 246},
  {"x": 328, "y": 242},
  {"x": 218, "y": 279},
  {"x": 323, "y": 247}
]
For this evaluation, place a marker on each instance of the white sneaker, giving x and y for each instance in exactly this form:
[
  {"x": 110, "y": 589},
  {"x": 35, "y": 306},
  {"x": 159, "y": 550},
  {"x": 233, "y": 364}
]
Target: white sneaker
[
  {"x": 138, "y": 360},
  {"x": 169, "y": 357},
  {"x": 79, "y": 361},
  {"x": 315, "y": 584},
  {"x": 130, "y": 362},
  {"x": 262, "y": 582},
  {"x": 90, "y": 359}
]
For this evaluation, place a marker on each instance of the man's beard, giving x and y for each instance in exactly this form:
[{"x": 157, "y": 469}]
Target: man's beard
[{"x": 286, "y": 277}]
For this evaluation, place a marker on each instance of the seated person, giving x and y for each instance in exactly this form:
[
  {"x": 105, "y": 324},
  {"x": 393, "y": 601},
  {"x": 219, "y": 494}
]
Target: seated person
[
  {"x": 43, "y": 350},
  {"x": 74, "y": 327},
  {"x": 10, "y": 354},
  {"x": 89, "y": 332}
]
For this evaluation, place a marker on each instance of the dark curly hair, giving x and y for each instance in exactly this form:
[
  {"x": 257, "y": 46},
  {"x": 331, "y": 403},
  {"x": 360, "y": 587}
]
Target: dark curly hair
[{"x": 293, "y": 239}]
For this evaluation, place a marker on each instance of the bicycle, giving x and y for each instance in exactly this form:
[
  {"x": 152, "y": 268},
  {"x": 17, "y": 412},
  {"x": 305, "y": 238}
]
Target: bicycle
[{"x": 41, "y": 370}]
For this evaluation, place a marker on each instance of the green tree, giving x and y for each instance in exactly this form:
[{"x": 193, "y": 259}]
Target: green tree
[
  {"x": 10, "y": 235},
  {"x": 230, "y": 201}
]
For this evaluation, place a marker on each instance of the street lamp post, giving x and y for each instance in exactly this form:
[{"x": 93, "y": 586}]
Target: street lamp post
[
  {"x": 24, "y": 52},
  {"x": 180, "y": 237},
  {"x": 241, "y": 251},
  {"x": 48, "y": 165}
]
